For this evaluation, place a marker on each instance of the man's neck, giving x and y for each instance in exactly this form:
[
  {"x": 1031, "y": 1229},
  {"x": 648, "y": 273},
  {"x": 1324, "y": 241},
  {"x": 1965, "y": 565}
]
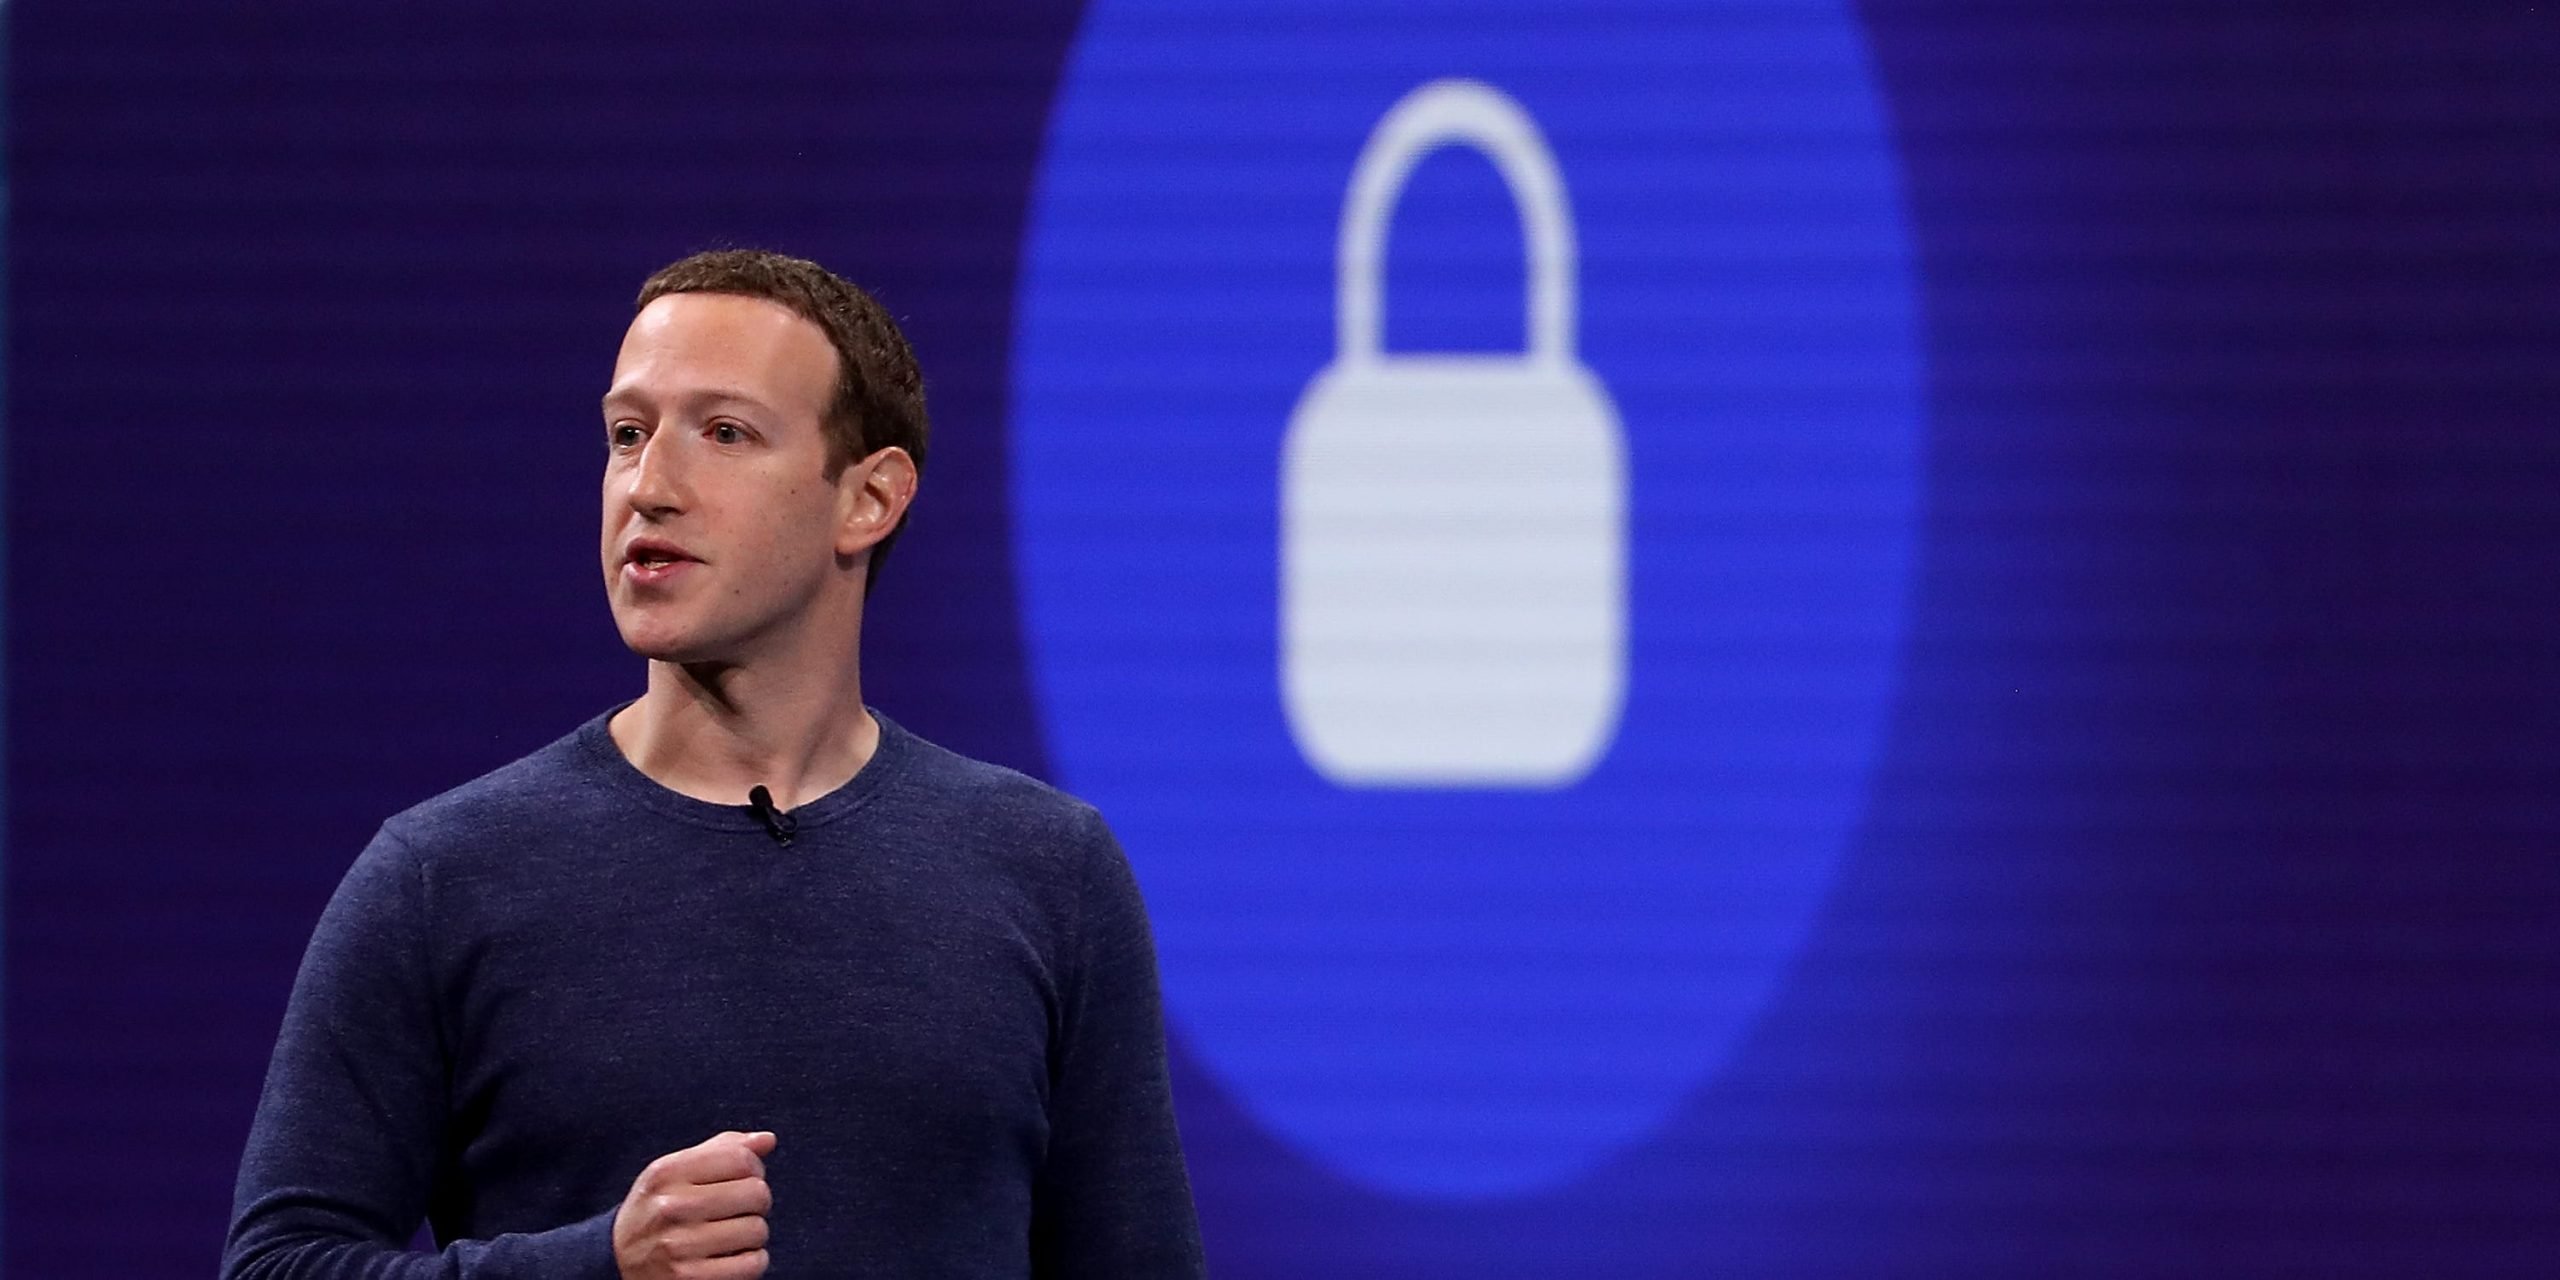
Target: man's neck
[{"x": 716, "y": 732}]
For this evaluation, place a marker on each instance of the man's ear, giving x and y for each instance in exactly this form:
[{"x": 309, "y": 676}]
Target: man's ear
[{"x": 873, "y": 495}]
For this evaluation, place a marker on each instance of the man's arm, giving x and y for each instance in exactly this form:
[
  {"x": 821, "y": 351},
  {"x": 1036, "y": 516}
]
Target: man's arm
[
  {"x": 342, "y": 1156},
  {"x": 1113, "y": 1199}
]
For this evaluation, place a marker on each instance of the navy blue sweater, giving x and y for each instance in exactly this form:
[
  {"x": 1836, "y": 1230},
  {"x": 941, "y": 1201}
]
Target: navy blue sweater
[{"x": 941, "y": 996}]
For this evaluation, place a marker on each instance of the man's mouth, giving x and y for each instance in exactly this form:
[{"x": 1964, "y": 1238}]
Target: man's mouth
[
  {"x": 651, "y": 563},
  {"x": 652, "y": 555}
]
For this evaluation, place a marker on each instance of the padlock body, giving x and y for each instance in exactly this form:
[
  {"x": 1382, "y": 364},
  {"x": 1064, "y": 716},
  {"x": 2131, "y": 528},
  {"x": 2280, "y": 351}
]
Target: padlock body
[{"x": 1453, "y": 572}]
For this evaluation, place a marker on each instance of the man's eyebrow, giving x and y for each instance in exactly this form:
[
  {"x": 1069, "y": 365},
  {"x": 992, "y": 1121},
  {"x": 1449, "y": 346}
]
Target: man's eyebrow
[{"x": 707, "y": 396}]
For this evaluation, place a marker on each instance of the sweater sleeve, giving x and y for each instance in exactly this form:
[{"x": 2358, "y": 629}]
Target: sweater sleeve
[
  {"x": 1113, "y": 1198},
  {"x": 343, "y": 1153}
]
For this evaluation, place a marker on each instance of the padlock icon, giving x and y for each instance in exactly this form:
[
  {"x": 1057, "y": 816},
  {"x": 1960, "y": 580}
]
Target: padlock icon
[{"x": 1453, "y": 527}]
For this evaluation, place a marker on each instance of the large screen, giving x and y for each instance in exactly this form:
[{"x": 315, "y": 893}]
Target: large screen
[{"x": 1791, "y": 638}]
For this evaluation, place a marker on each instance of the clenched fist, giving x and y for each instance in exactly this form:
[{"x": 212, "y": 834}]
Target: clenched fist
[{"x": 697, "y": 1214}]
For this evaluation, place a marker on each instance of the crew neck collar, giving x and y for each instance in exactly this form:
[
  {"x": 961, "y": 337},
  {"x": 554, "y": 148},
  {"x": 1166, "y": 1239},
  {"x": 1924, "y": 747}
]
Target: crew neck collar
[{"x": 887, "y": 760}]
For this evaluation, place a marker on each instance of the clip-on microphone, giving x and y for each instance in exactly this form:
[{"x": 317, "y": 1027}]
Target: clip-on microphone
[{"x": 780, "y": 825}]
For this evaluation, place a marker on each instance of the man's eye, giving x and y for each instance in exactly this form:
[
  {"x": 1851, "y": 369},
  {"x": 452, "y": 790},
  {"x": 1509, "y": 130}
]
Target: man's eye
[
  {"x": 727, "y": 432},
  {"x": 623, "y": 435}
]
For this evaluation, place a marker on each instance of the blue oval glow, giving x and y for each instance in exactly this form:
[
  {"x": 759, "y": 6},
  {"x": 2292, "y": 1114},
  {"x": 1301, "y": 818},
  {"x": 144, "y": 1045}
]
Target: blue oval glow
[{"x": 1469, "y": 993}]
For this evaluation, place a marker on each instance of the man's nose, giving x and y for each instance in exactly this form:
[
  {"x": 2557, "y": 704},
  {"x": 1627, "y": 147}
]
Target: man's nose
[{"x": 657, "y": 476}]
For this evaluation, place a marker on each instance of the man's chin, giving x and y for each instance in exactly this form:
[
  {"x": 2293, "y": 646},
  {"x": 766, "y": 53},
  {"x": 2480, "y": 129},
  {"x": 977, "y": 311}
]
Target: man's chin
[{"x": 683, "y": 650}]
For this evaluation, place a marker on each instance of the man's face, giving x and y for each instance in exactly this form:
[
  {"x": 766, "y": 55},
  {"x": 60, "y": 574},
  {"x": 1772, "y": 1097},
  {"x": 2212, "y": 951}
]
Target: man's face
[{"x": 720, "y": 527}]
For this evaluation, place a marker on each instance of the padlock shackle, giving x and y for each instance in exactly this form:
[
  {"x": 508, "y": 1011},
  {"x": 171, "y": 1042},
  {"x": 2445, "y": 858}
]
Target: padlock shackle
[{"x": 1470, "y": 113}]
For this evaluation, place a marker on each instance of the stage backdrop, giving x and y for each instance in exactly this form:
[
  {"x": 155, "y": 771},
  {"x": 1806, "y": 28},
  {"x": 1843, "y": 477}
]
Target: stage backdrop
[{"x": 1729, "y": 638}]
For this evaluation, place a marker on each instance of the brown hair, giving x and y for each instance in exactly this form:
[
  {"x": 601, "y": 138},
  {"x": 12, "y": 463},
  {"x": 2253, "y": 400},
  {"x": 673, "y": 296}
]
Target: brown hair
[{"x": 879, "y": 396}]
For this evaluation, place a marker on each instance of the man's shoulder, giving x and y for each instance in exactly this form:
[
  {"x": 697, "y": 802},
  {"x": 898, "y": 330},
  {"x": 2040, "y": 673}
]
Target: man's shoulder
[
  {"x": 1003, "y": 811},
  {"x": 999, "y": 830},
  {"x": 940, "y": 776},
  {"x": 527, "y": 794}
]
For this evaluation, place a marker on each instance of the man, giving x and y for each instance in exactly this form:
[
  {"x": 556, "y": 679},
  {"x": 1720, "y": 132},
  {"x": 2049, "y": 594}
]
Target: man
[{"x": 738, "y": 976}]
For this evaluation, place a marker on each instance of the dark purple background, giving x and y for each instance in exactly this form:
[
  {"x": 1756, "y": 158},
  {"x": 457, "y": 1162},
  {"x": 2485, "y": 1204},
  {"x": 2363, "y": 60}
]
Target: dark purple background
[{"x": 2205, "y": 921}]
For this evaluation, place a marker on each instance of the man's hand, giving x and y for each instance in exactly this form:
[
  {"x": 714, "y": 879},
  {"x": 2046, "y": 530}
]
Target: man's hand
[{"x": 697, "y": 1214}]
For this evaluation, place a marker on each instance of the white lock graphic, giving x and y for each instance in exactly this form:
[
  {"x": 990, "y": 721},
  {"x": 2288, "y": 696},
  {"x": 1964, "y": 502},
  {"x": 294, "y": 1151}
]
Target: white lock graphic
[{"x": 1453, "y": 527}]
